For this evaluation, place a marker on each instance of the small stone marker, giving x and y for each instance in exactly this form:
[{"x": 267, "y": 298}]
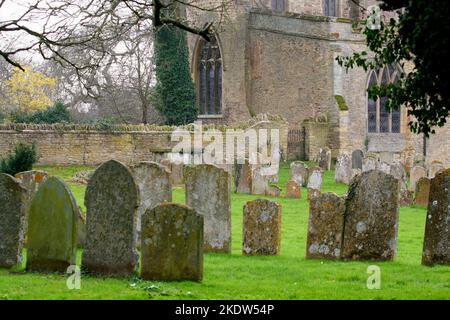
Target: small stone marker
[
  {"x": 419, "y": 160},
  {"x": 261, "y": 228},
  {"x": 315, "y": 178},
  {"x": 436, "y": 248},
  {"x": 112, "y": 198},
  {"x": 324, "y": 159},
  {"x": 293, "y": 190},
  {"x": 357, "y": 159},
  {"x": 416, "y": 173},
  {"x": 422, "y": 192},
  {"x": 434, "y": 168},
  {"x": 12, "y": 220},
  {"x": 52, "y": 228},
  {"x": 208, "y": 190},
  {"x": 243, "y": 177},
  {"x": 371, "y": 217},
  {"x": 176, "y": 170},
  {"x": 81, "y": 229},
  {"x": 344, "y": 172},
  {"x": 274, "y": 191},
  {"x": 31, "y": 180},
  {"x": 154, "y": 185},
  {"x": 172, "y": 243},
  {"x": 299, "y": 172},
  {"x": 326, "y": 225}
]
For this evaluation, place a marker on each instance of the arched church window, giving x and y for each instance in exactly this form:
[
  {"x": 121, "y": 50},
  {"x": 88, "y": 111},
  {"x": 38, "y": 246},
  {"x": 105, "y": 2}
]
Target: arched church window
[
  {"x": 279, "y": 5},
  {"x": 378, "y": 119},
  {"x": 330, "y": 8},
  {"x": 209, "y": 77}
]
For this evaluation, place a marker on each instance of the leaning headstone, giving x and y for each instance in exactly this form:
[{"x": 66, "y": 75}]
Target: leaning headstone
[
  {"x": 260, "y": 181},
  {"x": 357, "y": 159},
  {"x": 12, "y": 220},
  {"x": 262, "y": 227},
  {"x": 81, "y": 229},
  {"x": 436, "y": 248},
  {"x": 293, "y": 190},
  {"x": 324, "y": 159},
  {"x": 415, "y": 174},
  {"x": 31, "y": 180},
  {"x": 315, "y": 178},
  {"x": 326, "y": 225},
  {"x": 52, "y": 228},
  {"x": 371, "y": 217},
  {"x": 155, "y": 187},
  {"x": 299, "y": 172},
  {"x": 172, "y": 243},
  {"x": 422, "y": 192},
  {"x": 208, "y": 190},
  {"x": 243, "y": 177},
  {"x": 370, "y": 162},
  {"x": 434, "y": 168},
  {"x": 112, "y": 199},
  {"x": 344, "y": 172}
]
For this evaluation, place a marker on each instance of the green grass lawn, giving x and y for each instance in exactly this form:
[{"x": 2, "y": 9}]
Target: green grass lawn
[{"x": 234, "y": 276}]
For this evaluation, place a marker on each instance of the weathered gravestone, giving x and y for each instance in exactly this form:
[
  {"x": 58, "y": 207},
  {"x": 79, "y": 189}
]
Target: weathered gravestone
[
  {"x": 344, "y": 171},
  {"x": 371, "y": 217},
  {"x": 154, "y": 185},
  {"x": 315, "y": 178},
  {"x": 12, "y": 220},
  {"x": 31, "y": 180},
  {"x": 52, "y": 228},
  {"x": 81, "y": 229},
  {"x": 299, "y": 173},
  {"x": 260, "y": 181},
  {"x": 436, "y": 248},
  {"x": 434, "y": 168},
  {"x": 112, "y": 199},
  {"x": 172, "y": 243},
  {"x": 422, "y": 192},
  {"x": 324, "y": 159},
  {"x": 326, "y": 225},
  {"x": 208, "y": 190},
  {"x": 370, "y": 162},
  {"x": 176, "y": 170},
  {"x": 261, "y": 228},
  {"x": 415, "y": 174},
  {"x": 273, "y": 191},
  {"x": 293, "y": 189},
  {"x": 357, "y": 159},
  {"x": 243, "y": 177}
]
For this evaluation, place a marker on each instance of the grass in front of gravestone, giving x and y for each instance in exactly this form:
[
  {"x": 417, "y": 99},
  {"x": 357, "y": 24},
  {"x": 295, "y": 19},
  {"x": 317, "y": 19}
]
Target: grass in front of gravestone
[{"x": 288, "y": 276}]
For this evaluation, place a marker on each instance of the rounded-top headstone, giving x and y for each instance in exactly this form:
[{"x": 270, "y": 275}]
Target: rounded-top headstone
[
  {"x": 12, "y": 220},
  {"x": 112, "y": 199},
  {"x": 52, "y": 228}
]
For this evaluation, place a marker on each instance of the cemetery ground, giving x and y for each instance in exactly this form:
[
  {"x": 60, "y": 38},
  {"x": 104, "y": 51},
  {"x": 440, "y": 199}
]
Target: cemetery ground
[{"x": 234, "y": 276}]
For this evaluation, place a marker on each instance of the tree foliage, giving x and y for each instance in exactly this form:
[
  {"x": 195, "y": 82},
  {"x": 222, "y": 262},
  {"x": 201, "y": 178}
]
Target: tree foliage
[
  {"x": 175, "y": 94},
  {"x": 56, "y": 114},
  {"x": 419, "y": 36},
  {"x": 29, "y": 91}
]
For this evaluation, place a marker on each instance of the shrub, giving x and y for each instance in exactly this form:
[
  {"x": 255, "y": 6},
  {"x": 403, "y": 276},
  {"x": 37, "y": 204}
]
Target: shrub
[
  {"x": 22, "y": 159},
  {"x": 56, "y": 114}
]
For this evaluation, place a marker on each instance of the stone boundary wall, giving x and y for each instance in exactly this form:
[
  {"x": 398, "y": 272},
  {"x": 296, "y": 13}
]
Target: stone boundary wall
[{"x": 89, "y": 145}]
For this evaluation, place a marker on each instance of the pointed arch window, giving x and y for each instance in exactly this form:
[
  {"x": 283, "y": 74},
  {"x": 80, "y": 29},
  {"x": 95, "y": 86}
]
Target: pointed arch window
[
  {"x": 378, "y": 119},
  {"x": 279, "y": 5},
  {"x": 209, "y": 77},
  {"x": 330, "y": 8}
]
